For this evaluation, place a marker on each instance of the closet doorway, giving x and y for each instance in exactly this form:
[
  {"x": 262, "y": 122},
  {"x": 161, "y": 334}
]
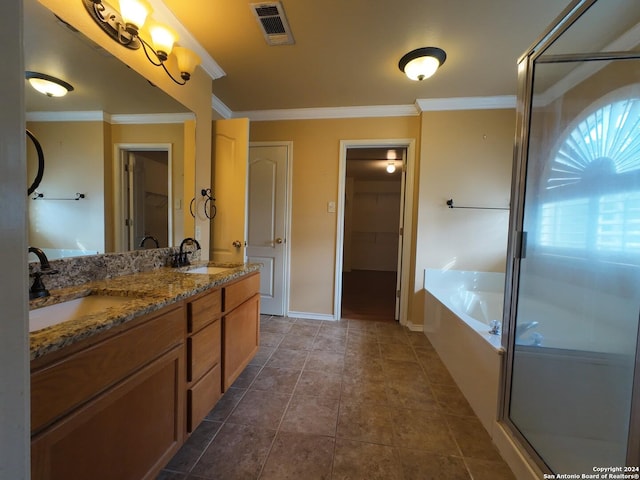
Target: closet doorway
[{"x": 372, "y": 240}]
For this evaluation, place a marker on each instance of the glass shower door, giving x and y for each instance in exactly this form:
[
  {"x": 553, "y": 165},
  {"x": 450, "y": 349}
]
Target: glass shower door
[{"x": 575, "y": 308}]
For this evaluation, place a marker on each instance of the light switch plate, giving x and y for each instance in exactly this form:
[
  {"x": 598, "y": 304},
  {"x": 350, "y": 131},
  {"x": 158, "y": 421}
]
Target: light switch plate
[{"x": 331, "y": 207}]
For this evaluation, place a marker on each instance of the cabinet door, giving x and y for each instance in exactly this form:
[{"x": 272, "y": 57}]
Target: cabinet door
[
  {"x": 129, "y": 432},
  {"x": 241, "y": 338}
]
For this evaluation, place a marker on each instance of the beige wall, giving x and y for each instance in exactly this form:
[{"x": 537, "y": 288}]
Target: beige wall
[
  {"x": 161, "y": 133},
  {"x": 73, "y": 164},
  {"x": 466, "y": 155},
  {"x": 316, "y": 151}
]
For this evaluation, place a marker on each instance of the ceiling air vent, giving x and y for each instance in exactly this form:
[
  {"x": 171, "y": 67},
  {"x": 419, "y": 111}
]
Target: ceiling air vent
[{"x": 273, "y": 23}]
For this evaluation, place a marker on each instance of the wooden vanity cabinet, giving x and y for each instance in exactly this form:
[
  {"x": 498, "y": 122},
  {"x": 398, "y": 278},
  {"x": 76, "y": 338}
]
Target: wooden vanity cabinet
[
  {"x": 240, "y": 326},
  {"x": 111, "y": 406},
  {"x": 204, "y": 347}
]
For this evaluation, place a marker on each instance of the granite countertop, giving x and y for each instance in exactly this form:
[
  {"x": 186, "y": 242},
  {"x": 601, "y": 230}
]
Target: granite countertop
[{"x": 148, "y": 291}]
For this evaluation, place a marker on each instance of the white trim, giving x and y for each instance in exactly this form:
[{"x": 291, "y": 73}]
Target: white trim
[
  {"x": 414, "y": 328},
  {"x": 287, "y": 219},
  {"x": 162, "y": 13},
  {"x": 330, "y": 112},
  {"x": 151, "y": 118},
  {"x": 118, "y": 190},
  {"x": 466, "y": 103},
  {"x": 220, "y": 107},
  {"x": 100, "y": 116},
  {"x": 311, "y": 316},
  {"x": 80, "y": 116},
  {"x": 410, "y": 145}
]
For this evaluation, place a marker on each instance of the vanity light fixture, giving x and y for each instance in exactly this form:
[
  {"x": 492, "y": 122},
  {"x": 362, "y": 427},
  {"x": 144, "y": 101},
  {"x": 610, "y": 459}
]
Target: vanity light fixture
[
  {"x": 422, "y": 63},
  {"x": 47, "y": 84},
  {"x": 125, "y": 25}
]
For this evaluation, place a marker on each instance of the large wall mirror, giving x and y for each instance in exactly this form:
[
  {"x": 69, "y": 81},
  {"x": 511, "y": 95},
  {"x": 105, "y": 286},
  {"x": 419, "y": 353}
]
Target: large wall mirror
[{"x": 114, "y": 148}]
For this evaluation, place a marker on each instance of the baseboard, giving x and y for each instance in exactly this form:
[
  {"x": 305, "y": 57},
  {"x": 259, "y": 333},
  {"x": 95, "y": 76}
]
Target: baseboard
[
  {"x": 414, "y": 327},
  {"x": 312, "y": 316}
]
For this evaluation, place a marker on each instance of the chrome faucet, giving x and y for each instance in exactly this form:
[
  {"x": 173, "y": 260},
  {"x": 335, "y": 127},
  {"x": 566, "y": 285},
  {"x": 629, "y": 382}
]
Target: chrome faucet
[
  {"x": 149, "y": 237},
  {"x": 38, "y": 289},
  {"x": 521, "y": 328},
  {"x": 180, "y": 259}
]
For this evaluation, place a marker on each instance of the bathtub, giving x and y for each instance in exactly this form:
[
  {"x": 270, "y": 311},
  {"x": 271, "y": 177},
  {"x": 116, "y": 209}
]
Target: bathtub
[{"x": 459, "y": 308}]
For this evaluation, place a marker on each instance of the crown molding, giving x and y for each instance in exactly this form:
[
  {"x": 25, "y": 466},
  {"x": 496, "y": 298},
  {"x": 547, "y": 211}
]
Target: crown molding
[
  {"x": 220, "y": 107},
  {"x": 162, "y": 13},
  {"x": 81, "y": 116},
  {"x": 99, "y": 116},
  {"x": 329, "y": 112},
  {"x": 151, "y": 118},
  {"x": 466, "y": 103}
]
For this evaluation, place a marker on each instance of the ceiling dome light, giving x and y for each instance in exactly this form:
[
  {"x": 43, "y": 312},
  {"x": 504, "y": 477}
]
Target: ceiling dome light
[
  {"x": 391, "y": 166},
  {"x": 48, "y": 85},
  {"x": 421, "y": 63}
]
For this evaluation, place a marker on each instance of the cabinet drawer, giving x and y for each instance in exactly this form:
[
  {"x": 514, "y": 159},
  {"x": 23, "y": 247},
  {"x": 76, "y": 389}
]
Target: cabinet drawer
[
  {"x": 62, "y": 385},
  {"x": 238, "y": 292},
  {"x": 203, "y": 350},
  {"x": 203, "y": 396},
  {"x": 204, "y": 309}
]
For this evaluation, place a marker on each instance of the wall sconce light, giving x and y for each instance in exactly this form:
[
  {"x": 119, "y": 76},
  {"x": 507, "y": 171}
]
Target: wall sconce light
[
  {"x": 421, "y": 63},
  {"x": 47, "y": 84},
  {"x": 124, "y": 27}
]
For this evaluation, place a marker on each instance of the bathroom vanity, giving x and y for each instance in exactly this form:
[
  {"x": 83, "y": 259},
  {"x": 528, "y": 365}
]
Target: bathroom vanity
[{"x": 114, "y": 394}]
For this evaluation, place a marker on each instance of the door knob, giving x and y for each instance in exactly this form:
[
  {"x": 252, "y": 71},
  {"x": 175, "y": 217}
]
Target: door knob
[
  {"x": 279, "y": 241},
  {"x": 237, "y": 243}
]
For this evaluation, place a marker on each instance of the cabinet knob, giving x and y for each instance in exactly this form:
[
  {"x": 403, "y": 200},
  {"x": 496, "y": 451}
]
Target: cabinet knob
[
  {"x": 237, "y": 243},
  {"x": 279, "y": 241}
]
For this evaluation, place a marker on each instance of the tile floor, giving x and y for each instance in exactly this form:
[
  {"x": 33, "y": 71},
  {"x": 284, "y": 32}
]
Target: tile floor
[{"x": 353, "y": 399}]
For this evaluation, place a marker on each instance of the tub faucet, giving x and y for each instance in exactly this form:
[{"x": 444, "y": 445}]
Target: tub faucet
[
  {"x": 180, "y": 259},
  {"x": 38, "y": 289},
  {"x": 521, "y": 328},
  {"x": 149, "y": 237}
]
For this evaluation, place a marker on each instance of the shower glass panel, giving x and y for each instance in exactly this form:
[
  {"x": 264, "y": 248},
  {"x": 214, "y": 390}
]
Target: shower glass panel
[{"x": 575, "y": 311}]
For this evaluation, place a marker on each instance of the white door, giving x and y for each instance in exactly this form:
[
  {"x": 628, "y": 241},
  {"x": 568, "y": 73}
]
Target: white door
[{"x": 267, "y": 242}]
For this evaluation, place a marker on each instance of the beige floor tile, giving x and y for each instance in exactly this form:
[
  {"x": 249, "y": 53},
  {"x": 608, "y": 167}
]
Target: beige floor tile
[
  {"x": 319, "y": 384},
  {"x": 312, "y": 415},
  {"x": 299, "y": 456},
  {"x": 451, "y": 400},
  {"x": 323, "y": 361},
  {"x": 286, "y": 358},
  {"x": 473, "y": 439},
  {"x": 279, "y": 380},
  {"x": 262, "y": 409},
  {"x": 190, "y": 452},
  {"x": 420, "y": 465},
  {"x": 489, "y": 470},
  {"x": 357, "y": 460},
  {"x": 226, "y": 404},
  {"x": 427, "y": 431},
  {"x": 238, "y": 451},
  {"x": 365, "y": 390},
  {"x": 365, "y": 422}
]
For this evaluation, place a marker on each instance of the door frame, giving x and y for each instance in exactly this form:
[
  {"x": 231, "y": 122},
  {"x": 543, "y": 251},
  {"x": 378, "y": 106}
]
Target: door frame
[
  {"x": 120, "y": 151},
  {"x": 407, "y": 234},
  {"x": 287, "y": 213}
]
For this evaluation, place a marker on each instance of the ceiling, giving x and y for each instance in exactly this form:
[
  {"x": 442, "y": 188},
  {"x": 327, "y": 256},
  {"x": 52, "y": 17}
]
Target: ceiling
[{"x": 346, "y": 53}]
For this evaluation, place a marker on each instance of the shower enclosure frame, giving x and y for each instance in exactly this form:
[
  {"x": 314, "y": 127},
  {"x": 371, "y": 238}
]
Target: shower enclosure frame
[{"x": 516, "y": 235}]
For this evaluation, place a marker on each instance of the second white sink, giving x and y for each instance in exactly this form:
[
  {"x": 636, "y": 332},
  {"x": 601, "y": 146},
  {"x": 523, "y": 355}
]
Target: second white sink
[
  {"x": 73, "y": 309},
  {"x": 208, "y": 270}
]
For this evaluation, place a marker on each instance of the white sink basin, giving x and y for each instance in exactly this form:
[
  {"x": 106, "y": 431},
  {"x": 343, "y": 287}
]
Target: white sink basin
[
  {"x": 208, "y": 270},
  {"x": 62, "y": 312}
]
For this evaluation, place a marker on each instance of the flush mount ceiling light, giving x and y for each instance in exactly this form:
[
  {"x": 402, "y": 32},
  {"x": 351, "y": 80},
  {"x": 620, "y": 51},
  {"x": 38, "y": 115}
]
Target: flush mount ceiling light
[
  {"x": 421, "y": 63},
  {"x": 391, "y": 161},
  {"x": 48, "y": 85},
  {"x": 124, "y": 27}
]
